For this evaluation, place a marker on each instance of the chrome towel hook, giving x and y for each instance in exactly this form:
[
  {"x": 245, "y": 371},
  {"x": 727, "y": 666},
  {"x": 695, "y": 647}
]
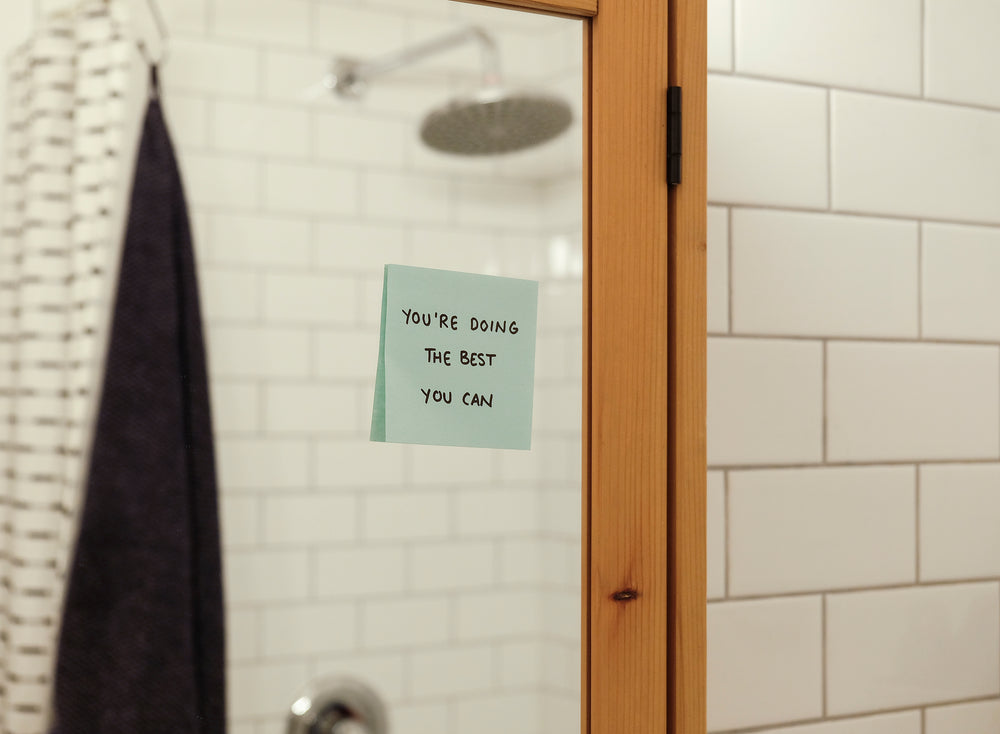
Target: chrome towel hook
[{"x": 162, "y": 31}]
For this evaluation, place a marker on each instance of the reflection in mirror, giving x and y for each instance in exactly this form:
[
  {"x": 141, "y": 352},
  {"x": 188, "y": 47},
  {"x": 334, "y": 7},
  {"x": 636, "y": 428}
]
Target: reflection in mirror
[
  {"x": 446, "y": 580},
  {"x": 368, "y": 585}
]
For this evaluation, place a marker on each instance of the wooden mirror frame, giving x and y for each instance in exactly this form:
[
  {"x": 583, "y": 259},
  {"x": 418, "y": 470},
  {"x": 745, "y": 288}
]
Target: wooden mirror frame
[{"x": 644, "y": 588}]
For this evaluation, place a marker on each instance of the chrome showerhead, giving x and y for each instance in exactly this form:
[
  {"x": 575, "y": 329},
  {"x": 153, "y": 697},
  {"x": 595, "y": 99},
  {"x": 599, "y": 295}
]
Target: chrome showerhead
[
  {"x": 489, "y": 122},
  {"x": 495, "y": 121}
]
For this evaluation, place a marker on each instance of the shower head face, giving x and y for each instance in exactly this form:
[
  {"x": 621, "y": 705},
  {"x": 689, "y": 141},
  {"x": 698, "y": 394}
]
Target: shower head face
[{"x": 494, "y": 122}]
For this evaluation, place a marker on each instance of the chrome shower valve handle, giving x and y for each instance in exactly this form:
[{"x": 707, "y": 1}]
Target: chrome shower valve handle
[
  {"x": 338, "y": 706},
  {"x": 349, "y": 726}
]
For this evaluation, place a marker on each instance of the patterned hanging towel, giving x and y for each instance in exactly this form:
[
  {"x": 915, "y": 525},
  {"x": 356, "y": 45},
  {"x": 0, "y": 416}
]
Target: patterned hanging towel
[
  {"x": 65, "y": 110},
  {"x": 141, "y": 647}
]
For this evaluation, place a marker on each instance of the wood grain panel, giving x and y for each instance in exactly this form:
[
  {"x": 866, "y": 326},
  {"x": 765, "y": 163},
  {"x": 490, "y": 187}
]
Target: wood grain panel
[
  {"x": 687, "y": 377},
  {"x": 644, "y": 368},
  {"x": 564, "y": 8},
  {"x": 585, "y": 455},
  {"x": 628, "y": 430}
]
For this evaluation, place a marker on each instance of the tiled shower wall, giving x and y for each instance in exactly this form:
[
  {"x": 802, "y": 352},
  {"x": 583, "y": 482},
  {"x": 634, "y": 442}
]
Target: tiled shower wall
[
  {"x": 854, "y": 366},
  {"x": 446, "y": 578}
]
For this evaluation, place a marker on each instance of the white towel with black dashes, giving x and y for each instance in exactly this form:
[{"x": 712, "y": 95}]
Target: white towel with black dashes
[{"x": 64, "y": 137}]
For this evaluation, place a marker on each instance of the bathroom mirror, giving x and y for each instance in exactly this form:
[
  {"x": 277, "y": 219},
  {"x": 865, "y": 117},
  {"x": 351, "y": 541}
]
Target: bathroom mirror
[{"x": 444, "y": 582}]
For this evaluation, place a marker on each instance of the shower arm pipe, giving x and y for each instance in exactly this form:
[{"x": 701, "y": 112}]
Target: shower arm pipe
[{"x": 366, "y": 70}]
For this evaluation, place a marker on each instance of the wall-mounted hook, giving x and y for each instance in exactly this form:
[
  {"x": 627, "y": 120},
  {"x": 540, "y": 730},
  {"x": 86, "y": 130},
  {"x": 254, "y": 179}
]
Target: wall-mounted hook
[{"x": 162, "y": 31}]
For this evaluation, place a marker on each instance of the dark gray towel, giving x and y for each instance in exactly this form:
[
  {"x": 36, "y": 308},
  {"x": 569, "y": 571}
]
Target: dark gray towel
[{"x": 142, "y": 643}]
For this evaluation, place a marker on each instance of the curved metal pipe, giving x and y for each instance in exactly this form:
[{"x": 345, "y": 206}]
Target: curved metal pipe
[{"x": 350, "y": 77}]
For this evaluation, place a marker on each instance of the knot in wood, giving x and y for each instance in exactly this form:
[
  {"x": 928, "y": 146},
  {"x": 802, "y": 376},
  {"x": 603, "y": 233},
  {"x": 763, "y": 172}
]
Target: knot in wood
[{"x": 625, "y": 595}]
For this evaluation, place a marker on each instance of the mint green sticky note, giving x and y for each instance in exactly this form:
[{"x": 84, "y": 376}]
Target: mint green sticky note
[
  {"x": 378, "y": 405},
  {"x": 456, "y": 359}
]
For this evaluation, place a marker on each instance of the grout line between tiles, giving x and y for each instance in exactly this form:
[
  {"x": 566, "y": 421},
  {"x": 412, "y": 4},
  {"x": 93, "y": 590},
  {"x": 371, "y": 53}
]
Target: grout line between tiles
[
  {"x": 726, "y": 531},
  {"x": 817, "y": 339},
  {"x": 860, "y": 716},
  {"x": 829, "y": 149},
  {"x": 778, "y": 466},
  {"x": 262, "y": 165},
  {"x": 496, "y": 663},
  {"x": 498, "y": 563},
  {"x": 261, "y": 51},
  {"x": 729, "y": 267},
  {"x": 733, "y": 9},
  {"x": 901, "y": 586},
  {"x": 261, "y": 409},
  {"x": 825, "y": 403},
  {"x": 430, "y": 594},
  {"x": 359, "y": 623},
  {"x": 453, "y": 638},
  {"x": 853, "y": 89},
  {"x": 824, "y": 659},
  {"x": 916, "y": 516},
  {"x": 312, "y": 454},
  {"x": 407, "y": 675},
  {"x": 314, "y": 27},
  {"x": 260, "y": 529},
  {"x": 920, "y": 279},
  {"x": 360, "y": 518},
  {"x": 452, "y": 710},
  {"x": 799, "y": 209},
  {"x": 312, "y": 577},
  {"x": 923, "y": 48}
]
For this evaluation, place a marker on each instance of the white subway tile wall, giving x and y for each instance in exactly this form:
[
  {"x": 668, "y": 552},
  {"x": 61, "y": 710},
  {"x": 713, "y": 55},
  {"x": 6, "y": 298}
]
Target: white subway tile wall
[
  {"x": 982, "y": 717},
  {"x": 718, "y": 270},
  {"x": 765, "y": 401},
  {"x": 961, "y": 266},
  {"x": 776, "y": 154},
  {"x": 850, "y": 43},
  {"x": 716, "y": 513},
  {"x": 720, "y": 40},
  {"x": 906, "y": 722},
  {"x": 959, "y": 501},
  {"x": 875, "y": 168},
  {"x": 789, "y": 267},
  {"x": 946, "y": 407},
  {"x": 782, "y": 640},
  {"x": 841, "y": 527},
  {"x": 854, "y": 367},
  {"x": 945, "y": 650},
  {"x": 960, "y": 56}
]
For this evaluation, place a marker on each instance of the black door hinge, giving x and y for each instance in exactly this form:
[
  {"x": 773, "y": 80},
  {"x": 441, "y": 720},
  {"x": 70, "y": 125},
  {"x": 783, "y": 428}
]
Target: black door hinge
[{"x": 674, "y": 135}]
